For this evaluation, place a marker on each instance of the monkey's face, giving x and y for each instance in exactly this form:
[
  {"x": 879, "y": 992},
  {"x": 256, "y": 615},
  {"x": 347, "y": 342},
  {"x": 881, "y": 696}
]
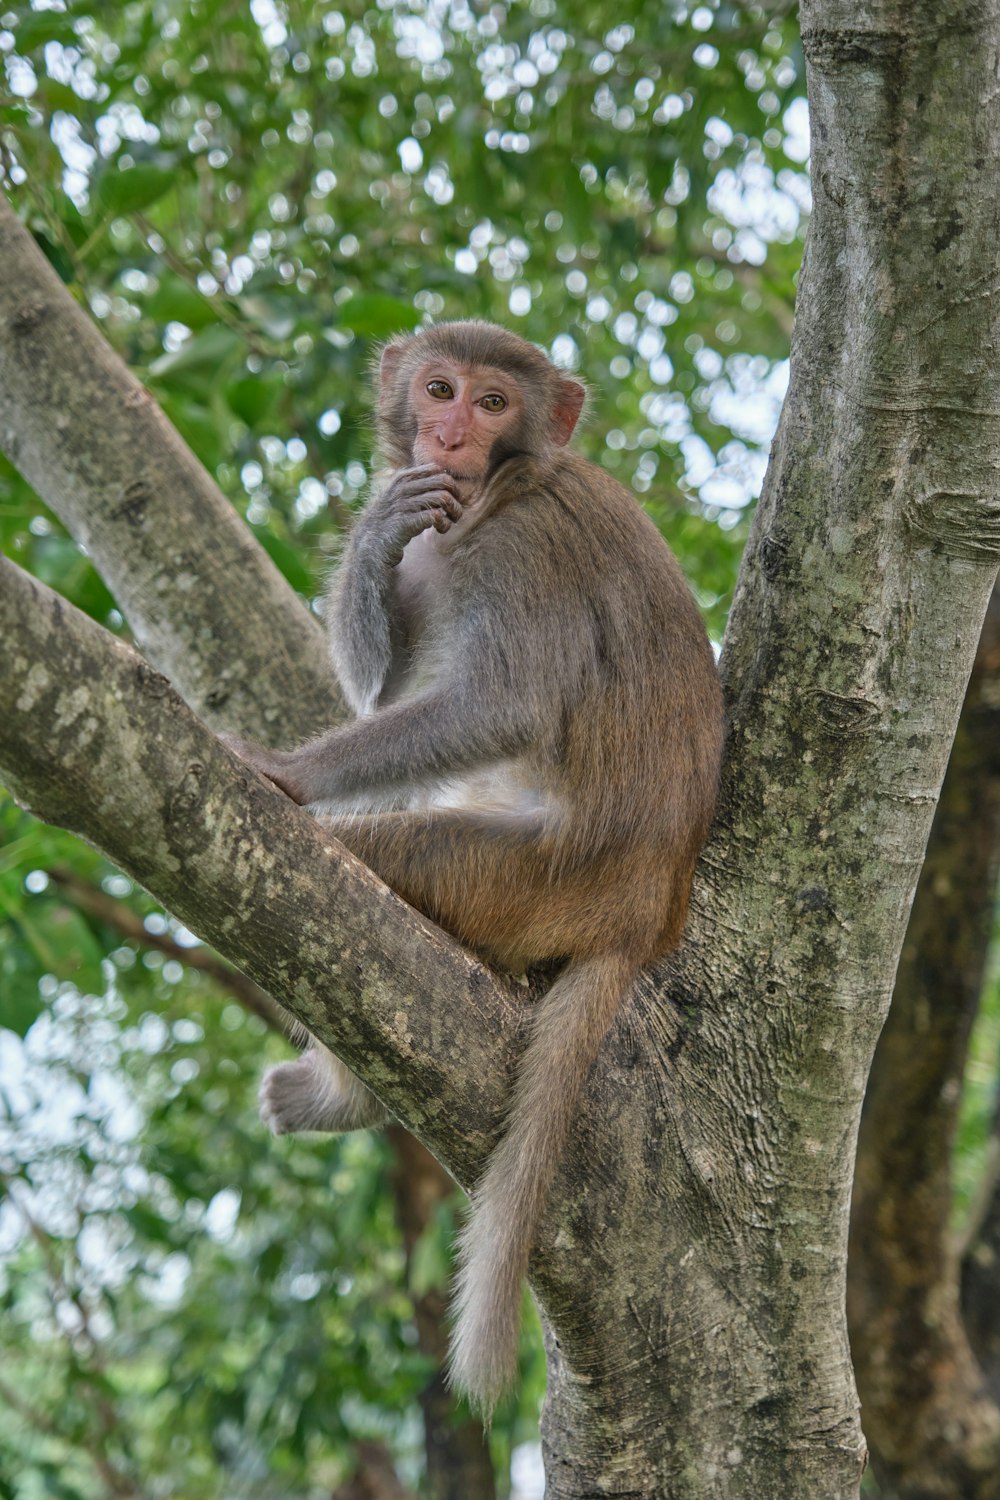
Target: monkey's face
[
  {"x": 465, "y": 415},
  {"x": 466, "y": 396}
]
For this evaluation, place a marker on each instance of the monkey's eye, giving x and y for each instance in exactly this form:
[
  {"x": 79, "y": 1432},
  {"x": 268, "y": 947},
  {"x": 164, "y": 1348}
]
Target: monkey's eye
[
  {"x": 494, "y": 402},
  {"x": 440, "y": 390}
]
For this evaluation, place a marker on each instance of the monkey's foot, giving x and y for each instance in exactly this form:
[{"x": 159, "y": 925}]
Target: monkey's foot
[{"x": 316, "y": 1092}]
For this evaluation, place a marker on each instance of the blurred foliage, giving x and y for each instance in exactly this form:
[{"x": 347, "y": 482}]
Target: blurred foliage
[
  {"x": 247, "y": 198},
  {"x": 980, "y": 1095},
  {"x": 184, "y": 1312}
]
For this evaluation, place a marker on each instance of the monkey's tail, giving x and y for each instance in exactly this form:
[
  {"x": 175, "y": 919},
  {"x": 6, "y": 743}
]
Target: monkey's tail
[{"x": 568, "y": 1026}]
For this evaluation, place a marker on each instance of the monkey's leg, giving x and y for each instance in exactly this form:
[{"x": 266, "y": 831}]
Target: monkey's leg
[
  {"x": 493, "y": 880},
  {"x": 478, "y": 876},
  {"x": 448, "y": 868},
  {"x": 317, "y": 1092}
]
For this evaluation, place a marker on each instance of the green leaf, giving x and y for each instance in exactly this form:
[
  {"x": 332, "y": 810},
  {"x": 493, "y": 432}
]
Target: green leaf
[
  {"x": 35, "y": 28},
  {"x": 430, "y": 1264},
  {"x": 20, "y": 1005},
  {"x": 376, "y": 316},
  {"x": 197, "y": 425},
  {"x": 57, "y": 95},
  {"x": 127, "y": 190},
  {"x": 57, "y": 1486},
  {"x": 174, "y": 301},
  {"x": 274, "y": 314},
  {"x": 252, "y": 397},
  {"x": 211, "y": 348}
]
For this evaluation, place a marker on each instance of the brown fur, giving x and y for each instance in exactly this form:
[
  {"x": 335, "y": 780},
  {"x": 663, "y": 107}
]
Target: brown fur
[{"x": 535, "y": 767}]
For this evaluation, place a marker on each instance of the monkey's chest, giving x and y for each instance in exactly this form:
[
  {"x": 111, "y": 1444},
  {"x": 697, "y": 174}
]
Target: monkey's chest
[{"x": 420, "y": 578}]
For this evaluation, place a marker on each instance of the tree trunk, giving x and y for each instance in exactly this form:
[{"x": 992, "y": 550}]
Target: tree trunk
[
  {"x": 459, "y": 1465},
  {"x": 933, "y": 1426},
  {"x": 690, "y": 1269},
  {"x": 980, "y": 1283}
]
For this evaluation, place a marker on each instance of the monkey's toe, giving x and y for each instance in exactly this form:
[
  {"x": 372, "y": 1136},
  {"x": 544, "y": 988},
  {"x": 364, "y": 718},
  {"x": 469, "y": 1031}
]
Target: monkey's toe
[
  {"x": 286, "y": 1101},
  {"x": 316, "y": 1092}
]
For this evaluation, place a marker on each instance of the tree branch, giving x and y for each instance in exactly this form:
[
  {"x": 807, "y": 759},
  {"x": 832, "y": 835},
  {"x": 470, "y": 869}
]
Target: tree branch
[
  {"x": 93, "y": 740},
  {"x": 94, "y": 444}
]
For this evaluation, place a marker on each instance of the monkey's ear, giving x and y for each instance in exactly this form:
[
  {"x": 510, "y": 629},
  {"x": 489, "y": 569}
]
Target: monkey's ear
[
  {"x": 566, "y": 409},
  {"x": 388, "y": 366},
  {"x": 389, "y": 359}
]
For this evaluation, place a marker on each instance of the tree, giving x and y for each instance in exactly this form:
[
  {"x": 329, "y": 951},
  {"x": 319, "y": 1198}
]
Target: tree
[{"x": 701, "y": 1345}]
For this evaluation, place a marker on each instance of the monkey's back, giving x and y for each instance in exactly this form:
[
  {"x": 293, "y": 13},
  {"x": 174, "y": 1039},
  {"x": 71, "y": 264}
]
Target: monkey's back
[{"x": 615, "y": 672}]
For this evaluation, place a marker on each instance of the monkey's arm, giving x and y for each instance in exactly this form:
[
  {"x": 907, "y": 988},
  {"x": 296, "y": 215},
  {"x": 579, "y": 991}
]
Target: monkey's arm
[
  {"x": 361, "y": 619},
  {"x": 451, "y": 728},
  {"x": 495, "y": 696},
  {"x": 363, "y": 627}
]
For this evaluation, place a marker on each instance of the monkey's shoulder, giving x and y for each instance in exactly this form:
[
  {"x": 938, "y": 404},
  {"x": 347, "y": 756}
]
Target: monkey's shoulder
[
  {"x": 567, "y": 507},
  {"x": 566, "y": 484}
]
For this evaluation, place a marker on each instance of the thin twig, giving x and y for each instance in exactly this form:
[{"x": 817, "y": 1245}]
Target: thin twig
[{"x": 119, "y": 916}]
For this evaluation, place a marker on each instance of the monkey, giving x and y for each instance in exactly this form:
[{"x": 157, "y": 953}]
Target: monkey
[{"x": 534, "y": 757}]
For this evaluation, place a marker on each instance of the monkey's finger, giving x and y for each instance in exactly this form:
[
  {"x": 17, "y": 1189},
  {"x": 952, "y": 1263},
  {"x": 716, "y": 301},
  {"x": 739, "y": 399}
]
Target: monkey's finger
[
  {"x": 417, "y": 505},
  {"x": 427, "y": 515},
  {"x": 422, "y": 474},
  {"x": 406, "y": 481},
  {"x": 443, "y": 500},
  {"x": 451, "y": 504},
  {"x": 424, "y": 484},
  {"x": 411, "y": 525}
]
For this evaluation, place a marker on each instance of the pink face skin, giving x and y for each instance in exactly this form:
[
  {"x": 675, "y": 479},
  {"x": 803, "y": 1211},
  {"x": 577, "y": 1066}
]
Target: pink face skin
[{"x": 460, "y": 412}]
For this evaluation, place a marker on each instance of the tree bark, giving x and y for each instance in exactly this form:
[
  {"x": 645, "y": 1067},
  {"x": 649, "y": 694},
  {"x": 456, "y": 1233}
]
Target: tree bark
[
  {"x": 871, "y": 558},
  {"x": 92, "y": 739},
  {"x": 690, "y": 1269},
  {"x": 933, "y": 1425}
]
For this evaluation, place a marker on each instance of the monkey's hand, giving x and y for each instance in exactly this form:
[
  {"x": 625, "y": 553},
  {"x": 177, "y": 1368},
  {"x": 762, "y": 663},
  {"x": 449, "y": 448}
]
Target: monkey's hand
[
  {"x": 413, "y": 501},
  {"x": 279, "y": 766}
]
